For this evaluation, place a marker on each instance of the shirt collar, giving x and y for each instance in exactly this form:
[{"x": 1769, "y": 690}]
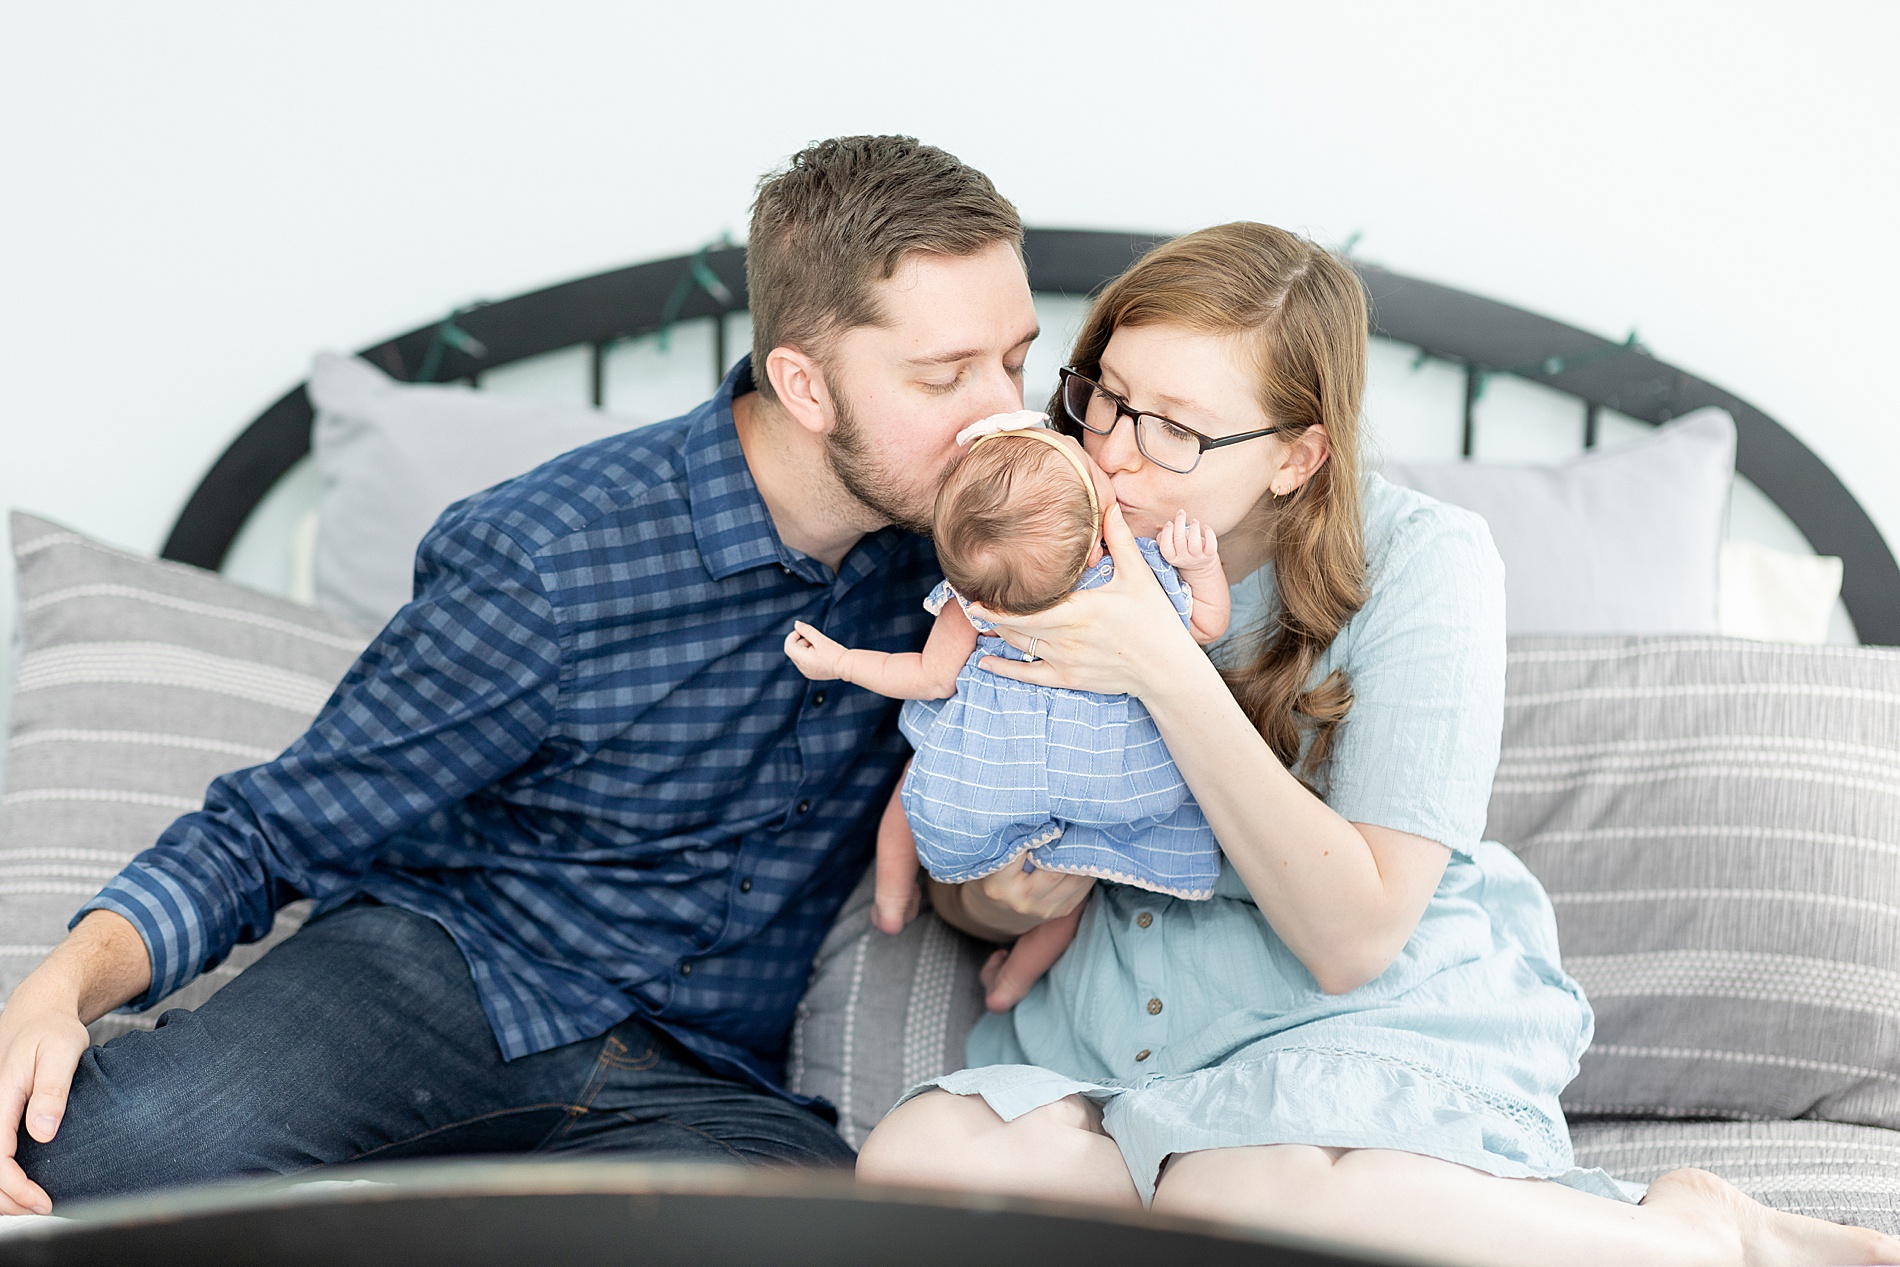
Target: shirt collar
[
  {"x": 730, "y": 522},
  {"x": 732, "y": 527}
]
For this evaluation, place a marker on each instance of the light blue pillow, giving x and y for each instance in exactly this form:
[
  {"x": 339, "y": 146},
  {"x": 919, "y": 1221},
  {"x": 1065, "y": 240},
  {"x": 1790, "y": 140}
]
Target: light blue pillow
[
  {"x": 392, "y": 456},
  {"x": 1625, "y": 540}
]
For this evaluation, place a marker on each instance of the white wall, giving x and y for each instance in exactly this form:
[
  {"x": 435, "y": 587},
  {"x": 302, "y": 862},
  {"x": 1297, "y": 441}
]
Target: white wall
[{"x": 195, "y": 196}]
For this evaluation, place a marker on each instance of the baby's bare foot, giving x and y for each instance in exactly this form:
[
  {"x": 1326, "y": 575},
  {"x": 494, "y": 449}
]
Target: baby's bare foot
[{"x": 1741, "y": 1231}]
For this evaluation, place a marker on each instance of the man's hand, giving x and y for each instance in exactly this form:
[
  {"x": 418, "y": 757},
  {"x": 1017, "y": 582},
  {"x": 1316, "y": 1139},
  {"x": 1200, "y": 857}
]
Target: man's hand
[
  {"x": 101, "y": 964},
  {"x": 40, "y": 1046}
]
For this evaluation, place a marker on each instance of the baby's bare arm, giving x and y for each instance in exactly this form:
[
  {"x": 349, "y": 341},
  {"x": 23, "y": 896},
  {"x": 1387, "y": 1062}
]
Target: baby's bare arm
[
  {"x": 1213, "y": 608},
  {"x": 927, "y": 674},
  {"x": 1195, "y": 555}
]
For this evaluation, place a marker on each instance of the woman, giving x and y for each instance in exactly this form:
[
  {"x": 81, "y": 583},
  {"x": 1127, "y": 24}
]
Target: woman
[{"x": 1362, "y": 1036}]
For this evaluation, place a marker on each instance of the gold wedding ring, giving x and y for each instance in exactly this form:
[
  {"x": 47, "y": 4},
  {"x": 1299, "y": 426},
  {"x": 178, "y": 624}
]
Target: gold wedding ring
[{"x": 1031, "y": 653}]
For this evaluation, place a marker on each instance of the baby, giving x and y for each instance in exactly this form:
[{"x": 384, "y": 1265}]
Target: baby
[{"x": 1007, "y": 772}]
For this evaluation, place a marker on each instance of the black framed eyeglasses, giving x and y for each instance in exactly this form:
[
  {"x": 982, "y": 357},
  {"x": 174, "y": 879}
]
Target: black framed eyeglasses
[{"x": 1163, "y": 441}]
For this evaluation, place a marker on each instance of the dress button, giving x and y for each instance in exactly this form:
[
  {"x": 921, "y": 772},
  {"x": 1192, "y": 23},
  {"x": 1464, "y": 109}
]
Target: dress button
[
  {"x": 745, "y": 885},
  {"x": 686, "y": 970},
  {"x": 1154, "y": 1007},
  {"x": 1142, "y": 1055},
  {"x": 1144, "y": 919},
  {"x": 804, "y": 807},
  {"x": 818, "y": 699}
]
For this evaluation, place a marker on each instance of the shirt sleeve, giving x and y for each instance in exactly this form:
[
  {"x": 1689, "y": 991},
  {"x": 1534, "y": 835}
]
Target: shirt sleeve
[
  {"x": 460, "y": 689},
  {"x": 1418, "y": 750}
]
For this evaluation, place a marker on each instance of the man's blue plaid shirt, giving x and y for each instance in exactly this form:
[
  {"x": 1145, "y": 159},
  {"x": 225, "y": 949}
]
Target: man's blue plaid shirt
[{"x": 582, "y": 750}]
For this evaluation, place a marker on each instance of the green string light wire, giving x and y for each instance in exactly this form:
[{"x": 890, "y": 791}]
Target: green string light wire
[
  {"x": 450, "y": 335},
  {"x": 698, "y": 276}
]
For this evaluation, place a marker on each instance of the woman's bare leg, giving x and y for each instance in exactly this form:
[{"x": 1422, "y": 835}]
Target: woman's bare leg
[
  {"x": 939, "y": 1140},
  {"x": 1402, "y": 1202}
]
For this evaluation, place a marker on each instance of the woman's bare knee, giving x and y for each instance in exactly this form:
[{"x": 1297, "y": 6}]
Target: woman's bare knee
[
  {"x": 927, "y": 1140},
  {"x": 941, "y": 1140},
  {"x": 1273, "y": 1184}
]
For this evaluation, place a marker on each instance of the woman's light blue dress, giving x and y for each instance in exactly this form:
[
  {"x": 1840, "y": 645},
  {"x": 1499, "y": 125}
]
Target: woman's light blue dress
[
  {"x": 1192, "y": 1024},
  {"x": 1077, "y": 781}
]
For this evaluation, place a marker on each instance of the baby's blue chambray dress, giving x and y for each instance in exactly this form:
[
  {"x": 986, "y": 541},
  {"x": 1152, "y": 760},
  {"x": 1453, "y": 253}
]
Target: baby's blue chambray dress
[
  {"x": 1078, "y": 781},
  {"x": 1192, "y": 1024}
]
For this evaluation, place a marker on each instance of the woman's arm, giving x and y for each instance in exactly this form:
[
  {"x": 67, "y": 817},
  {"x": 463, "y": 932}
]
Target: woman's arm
[
  {"x": 927, "y": 674},
  {"x": 1344, "y": 897}
]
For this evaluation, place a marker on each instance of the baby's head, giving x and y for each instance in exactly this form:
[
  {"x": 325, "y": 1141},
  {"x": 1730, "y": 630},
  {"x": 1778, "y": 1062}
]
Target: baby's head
[{"x": 1016, "y": 523}]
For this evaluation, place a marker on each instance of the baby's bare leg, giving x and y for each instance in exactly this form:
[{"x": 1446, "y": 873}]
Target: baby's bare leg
[
  {"x": 1009, "y": 973},
  {"x": 1059, "y": 1151},
  {"x": 895, "y": 896},
  {"x": 1405, "y": 1203}
]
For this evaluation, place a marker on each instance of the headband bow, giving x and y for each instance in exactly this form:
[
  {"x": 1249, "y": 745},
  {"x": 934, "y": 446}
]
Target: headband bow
[
  {"x": 1032, "y": 425},
  {"x": 1021, "y": 420}
]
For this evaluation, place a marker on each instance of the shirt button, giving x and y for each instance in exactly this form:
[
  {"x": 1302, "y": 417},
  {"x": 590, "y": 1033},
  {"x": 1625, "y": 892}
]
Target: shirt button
[
  {"x": 1144, "y": 919},
  {"x": 686, "y": 970},
  {"x": 1154, "y": 1007},
  {"x": 818, "y": 699},
  {"x": 804, "y": 807},
  {"x": 1142, "y": 1055},
  {"x": 745, "y": 885}
]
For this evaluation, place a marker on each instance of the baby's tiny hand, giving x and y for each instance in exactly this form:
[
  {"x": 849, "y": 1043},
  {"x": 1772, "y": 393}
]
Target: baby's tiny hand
[
  {"x": 1188, "y": 544},
  {"x": 817, "y": 656}
]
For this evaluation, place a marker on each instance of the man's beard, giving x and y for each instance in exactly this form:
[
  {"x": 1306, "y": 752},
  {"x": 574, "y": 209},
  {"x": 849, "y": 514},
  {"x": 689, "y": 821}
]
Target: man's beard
[{"x": 849, "y": 455}]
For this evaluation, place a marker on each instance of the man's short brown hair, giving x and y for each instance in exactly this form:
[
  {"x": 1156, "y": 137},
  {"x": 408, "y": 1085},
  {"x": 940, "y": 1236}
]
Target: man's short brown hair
[{"x": 840, "y": 217}]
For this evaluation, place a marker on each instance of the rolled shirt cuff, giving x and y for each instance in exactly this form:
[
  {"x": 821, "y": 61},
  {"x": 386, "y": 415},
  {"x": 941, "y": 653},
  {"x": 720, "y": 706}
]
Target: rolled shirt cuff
[{"x": 167, "y": 919}]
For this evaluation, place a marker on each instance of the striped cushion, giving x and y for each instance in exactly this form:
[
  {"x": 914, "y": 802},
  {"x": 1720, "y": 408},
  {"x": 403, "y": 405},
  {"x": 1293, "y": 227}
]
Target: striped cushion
[
  {"x": 1718, "y": 825},
  {"x": 138, "y": 683},
  {"x": 1845, "y": 1174},
  {"x": 883, "y": 1013}
]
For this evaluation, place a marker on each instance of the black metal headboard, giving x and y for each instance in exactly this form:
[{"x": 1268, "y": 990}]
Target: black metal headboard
[{"x": 1484, "y": 336}]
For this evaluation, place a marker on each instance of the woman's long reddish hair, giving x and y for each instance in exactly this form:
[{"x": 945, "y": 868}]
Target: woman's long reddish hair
[{"x": 1303, "y": 312}]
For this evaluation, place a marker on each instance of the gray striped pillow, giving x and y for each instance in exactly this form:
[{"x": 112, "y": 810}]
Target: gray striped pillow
[
  {"x": 1825, "y": 1170},
  {"x": 883, "y": 1013},
  {"x": 138, "y": 683},
  {"x": 1718, "y": 825}
]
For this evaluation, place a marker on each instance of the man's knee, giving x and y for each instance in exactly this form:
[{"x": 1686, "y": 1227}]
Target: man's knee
[{"x": 134, "y": 1120}]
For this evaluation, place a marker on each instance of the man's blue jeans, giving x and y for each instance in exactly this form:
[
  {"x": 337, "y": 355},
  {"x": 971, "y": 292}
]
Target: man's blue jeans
[{"x": 361, "y": 1038}]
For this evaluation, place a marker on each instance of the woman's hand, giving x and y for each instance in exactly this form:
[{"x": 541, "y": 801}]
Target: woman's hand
[
  {"x": 1005, "y": 904},
  {"x": 1120, "y": 638}
]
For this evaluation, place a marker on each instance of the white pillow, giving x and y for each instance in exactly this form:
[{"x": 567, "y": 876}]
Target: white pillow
[
  {"x": 1777, "y": 596},
  {"x": 1625, "y": 540},
  {"x": 392, "y": 456}
]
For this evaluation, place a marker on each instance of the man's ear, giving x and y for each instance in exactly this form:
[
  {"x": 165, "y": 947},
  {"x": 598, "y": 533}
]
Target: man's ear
[
  {"x": 799, "y": 383},
  {"x": 1304, "y": 456}
]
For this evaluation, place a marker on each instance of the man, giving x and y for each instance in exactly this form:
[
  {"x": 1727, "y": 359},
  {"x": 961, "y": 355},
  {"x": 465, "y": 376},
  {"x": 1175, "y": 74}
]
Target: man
[{"x": 574, "y": 822}]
